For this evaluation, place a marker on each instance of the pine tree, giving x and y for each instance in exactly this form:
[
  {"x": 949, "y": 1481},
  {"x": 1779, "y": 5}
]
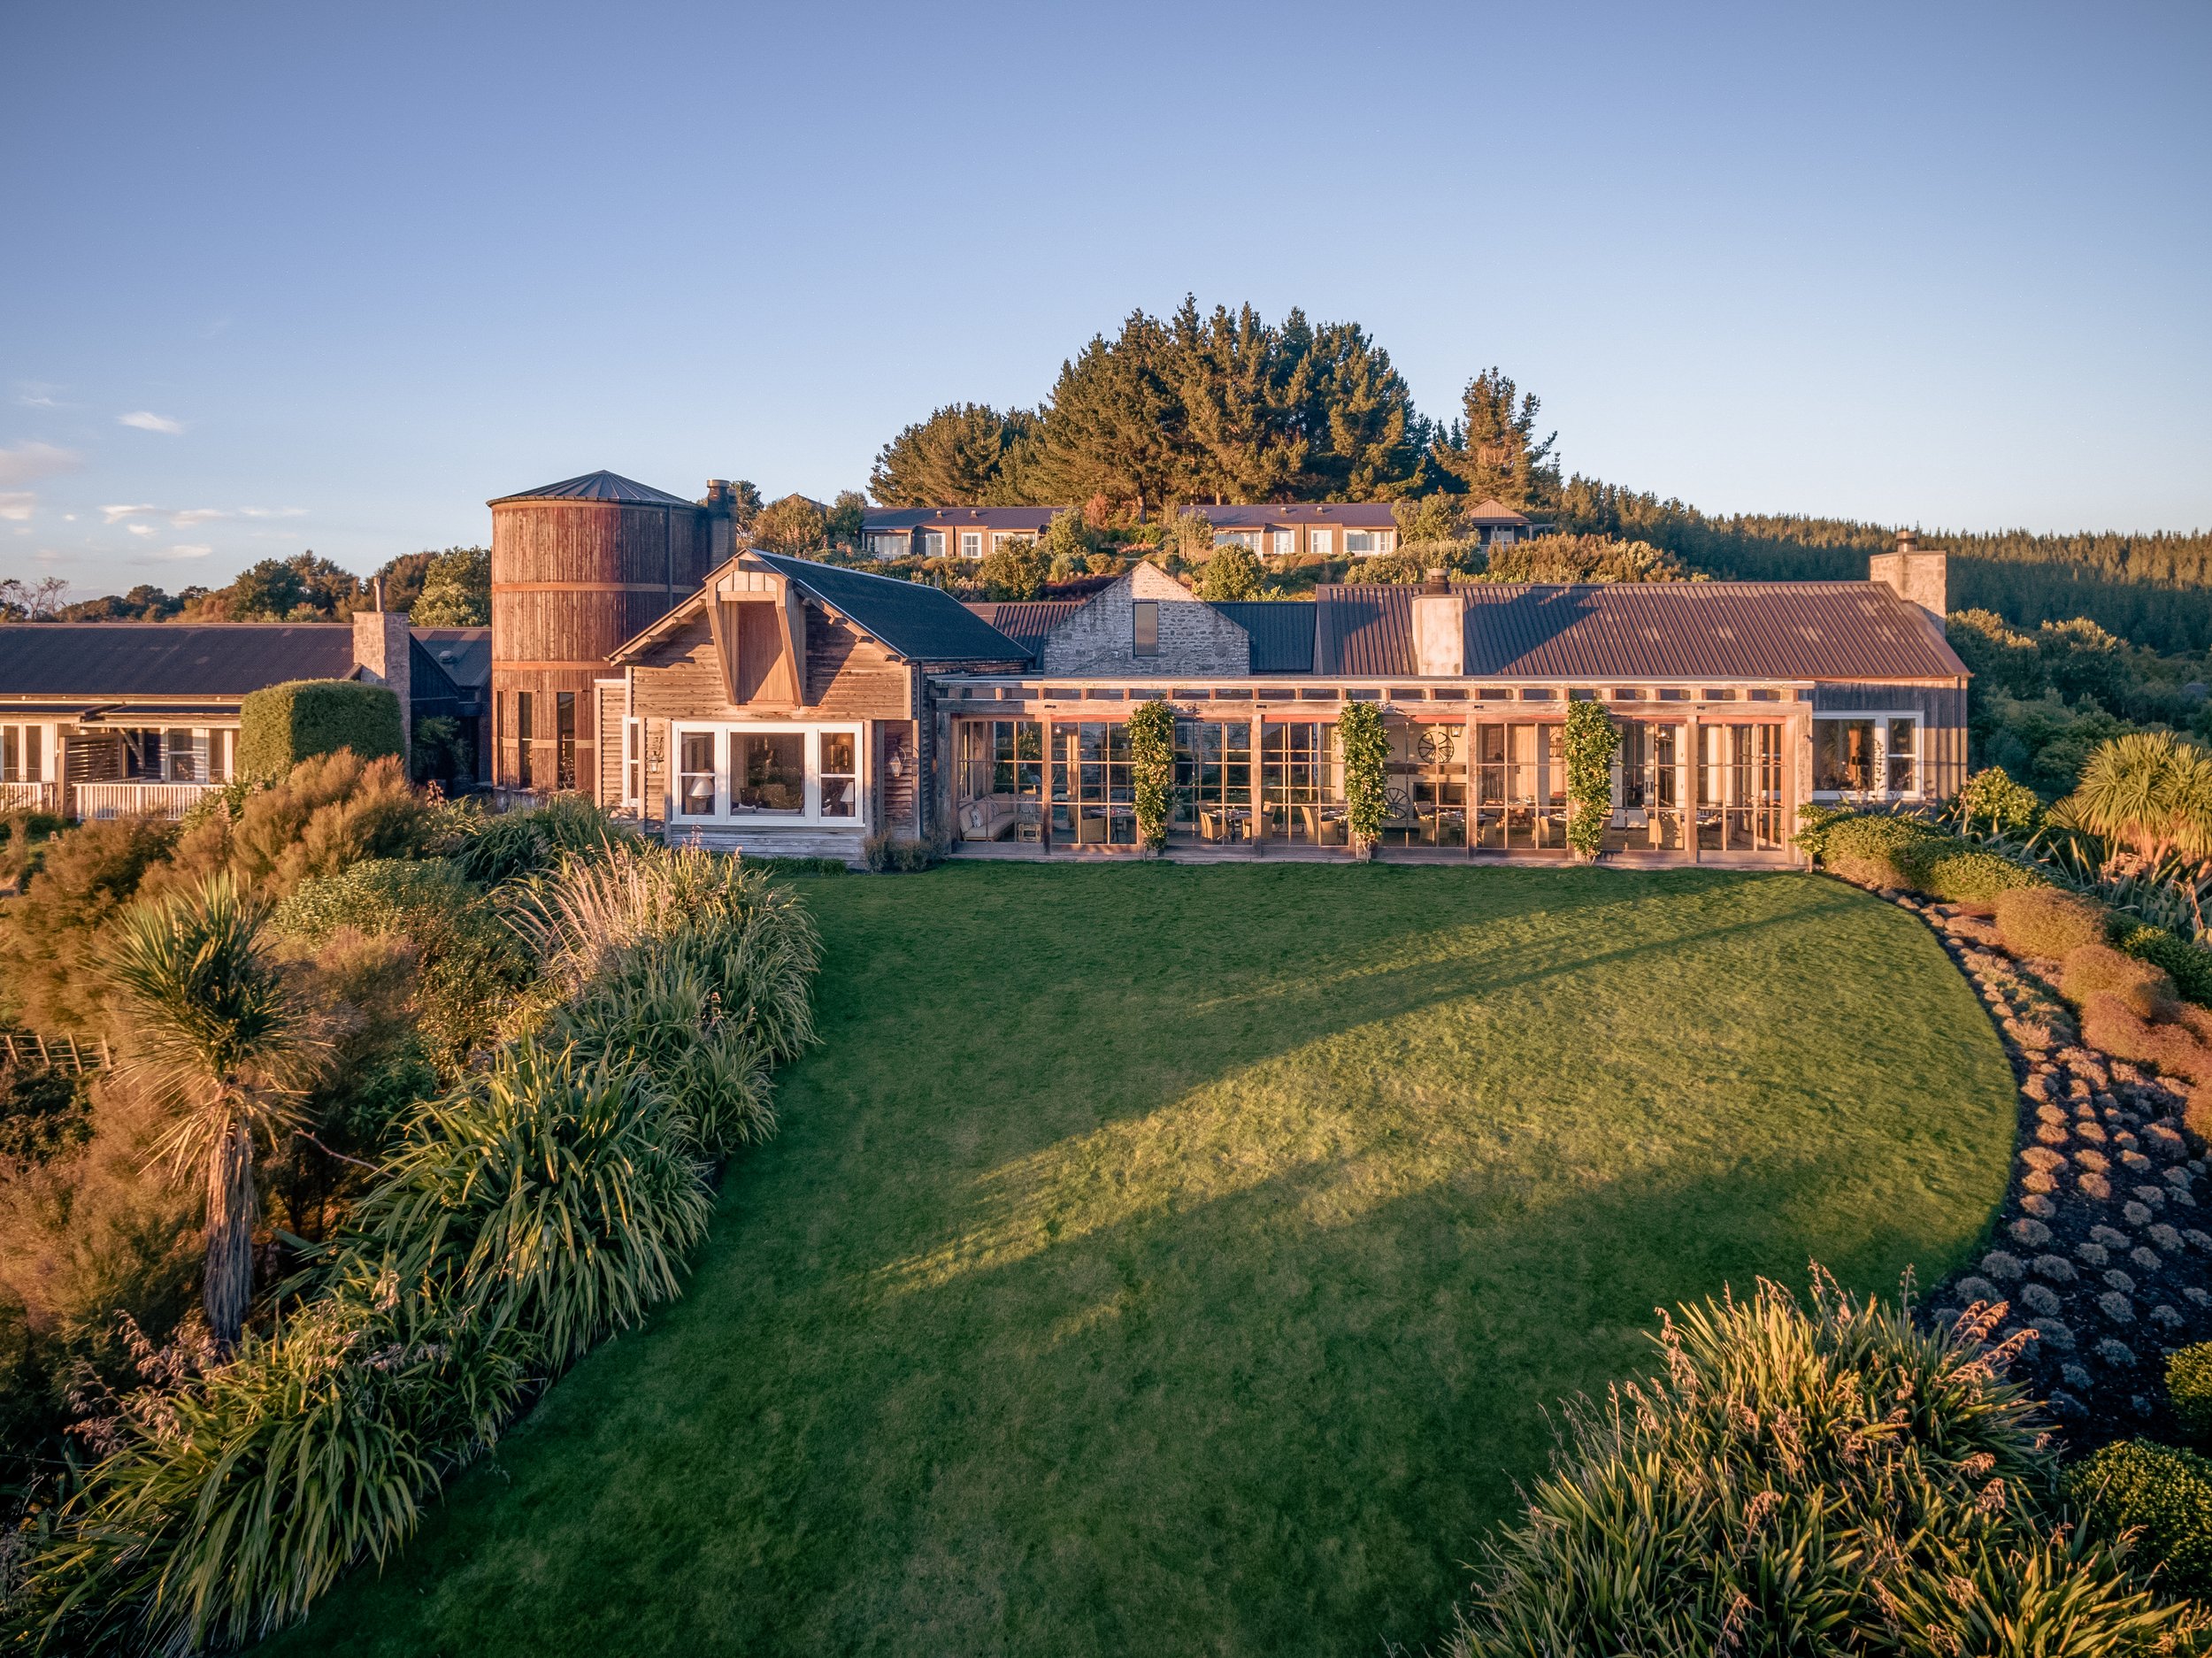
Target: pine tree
[
  {"x": 1363, "y": 439},
  {"x": 1492, "y": 451},
  {"x": 964, "y": 455},
  {"x": 1115, "y": 425},
  {"x": 1235, "y": 379}
]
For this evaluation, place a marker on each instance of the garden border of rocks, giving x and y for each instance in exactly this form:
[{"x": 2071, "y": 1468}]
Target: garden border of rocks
[{"x": 2098, "y": 1247}]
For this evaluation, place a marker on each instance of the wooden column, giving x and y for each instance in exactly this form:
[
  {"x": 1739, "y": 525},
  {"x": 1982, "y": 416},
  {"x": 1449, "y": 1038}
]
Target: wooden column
[
  {"x": 1693, "y": 756},
  {"x": 1259, "y": 775},
  {"x": 1470, "y": 813},
  {"x": 1044, "y": 792}
]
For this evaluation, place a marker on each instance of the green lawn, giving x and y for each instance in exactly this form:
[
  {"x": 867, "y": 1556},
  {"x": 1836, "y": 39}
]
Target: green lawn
[{"x": 1169, "y": 1260}]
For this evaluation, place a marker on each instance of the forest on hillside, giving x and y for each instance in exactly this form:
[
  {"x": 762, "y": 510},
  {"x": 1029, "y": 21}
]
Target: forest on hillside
[{"x": 1195, "y": 408}]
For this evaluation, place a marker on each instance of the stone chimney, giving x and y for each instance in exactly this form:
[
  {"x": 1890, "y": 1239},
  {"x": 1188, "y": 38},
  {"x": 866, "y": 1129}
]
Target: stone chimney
[
  {"x": 382, "y": 648},
  {"x": 1916, "y": 575},
  {"x": 721, "y": 505},
  {"x": 1440, "y": 630}
]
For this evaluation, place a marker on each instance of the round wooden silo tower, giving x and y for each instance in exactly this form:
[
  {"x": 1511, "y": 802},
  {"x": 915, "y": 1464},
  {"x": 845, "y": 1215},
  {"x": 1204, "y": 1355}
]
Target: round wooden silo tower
[{"x": 577, "y": 568}]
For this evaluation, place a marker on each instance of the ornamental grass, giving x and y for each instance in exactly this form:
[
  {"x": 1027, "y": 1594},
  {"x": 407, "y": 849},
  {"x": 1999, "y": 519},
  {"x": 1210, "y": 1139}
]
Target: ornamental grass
[
  {"x": 2093, "y": 970},
  {"x": 1822, "y": 1479}
]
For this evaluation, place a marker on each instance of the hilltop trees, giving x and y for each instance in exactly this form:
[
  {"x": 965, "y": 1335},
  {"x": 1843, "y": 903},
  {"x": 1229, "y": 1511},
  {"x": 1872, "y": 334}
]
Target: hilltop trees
[
  {"x": 965, "y": 452},
  {"x": 456, "y": 590},
  {"x": 1492, "y": 452}
]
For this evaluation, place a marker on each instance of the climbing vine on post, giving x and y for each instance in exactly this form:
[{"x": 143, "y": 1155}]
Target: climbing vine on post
[
  {"x": 1364, "y": 747},
  {"x": 1152, "y": 769},
  {"x": 1591, "y": 741}
]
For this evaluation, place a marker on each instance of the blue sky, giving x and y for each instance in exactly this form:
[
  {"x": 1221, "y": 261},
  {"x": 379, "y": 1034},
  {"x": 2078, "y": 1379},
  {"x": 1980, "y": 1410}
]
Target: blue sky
[{"x": 280, "y": 277}]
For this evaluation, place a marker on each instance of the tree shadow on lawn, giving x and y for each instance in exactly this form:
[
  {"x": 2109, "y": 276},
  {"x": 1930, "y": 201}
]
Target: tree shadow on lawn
[{"x": 1232, "y": 1337}]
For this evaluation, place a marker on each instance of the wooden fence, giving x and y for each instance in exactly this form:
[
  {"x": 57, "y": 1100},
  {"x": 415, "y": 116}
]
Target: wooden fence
[{"x": 29, "y": 1051}]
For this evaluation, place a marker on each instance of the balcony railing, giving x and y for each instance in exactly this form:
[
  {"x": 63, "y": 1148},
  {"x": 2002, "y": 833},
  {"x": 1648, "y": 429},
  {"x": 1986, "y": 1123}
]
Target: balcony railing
[
  {"x": 30, "y": 797},
  {"x": 93, "y": 800}
]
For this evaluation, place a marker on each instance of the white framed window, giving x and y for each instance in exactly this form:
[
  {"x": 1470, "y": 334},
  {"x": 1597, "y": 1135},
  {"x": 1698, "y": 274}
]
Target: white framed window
[
  {"x": 184, "y": 754},
  {"x": 933, "y": 543},
  {"x": 971, "y": 543},
  {"x": 1285, "y": 543},
  {"x": 1321, "y": 541},
  {"x": 764, "y": 772},
  {"x": 1359, "y": 543},
  {"x": 22, "y": 754},
  {"x": 1002, "y": 540},
  {"x": 1502, "y": 536},
  {"x": 890, "y": 543},
  {"x": 1875, "y": 756},
  {"x": 1248, "y": 540}
]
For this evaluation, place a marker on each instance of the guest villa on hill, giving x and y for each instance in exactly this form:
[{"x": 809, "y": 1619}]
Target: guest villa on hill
[{"x": 786, "y": 706}]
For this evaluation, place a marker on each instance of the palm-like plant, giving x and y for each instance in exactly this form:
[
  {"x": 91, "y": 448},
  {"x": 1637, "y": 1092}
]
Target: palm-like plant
[
  {"x": 214, "y": 1035},
  {"x": 2151, "y": 793}
]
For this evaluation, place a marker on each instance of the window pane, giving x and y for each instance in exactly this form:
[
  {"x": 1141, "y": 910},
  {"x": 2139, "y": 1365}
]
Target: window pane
[
  {"x": 1843, "y": 754},
  {"x": 771, "y": 772},
  {"x": 1901, "y": 755},
  {"x": 695, "y": 774},
  {"x": 1146, "y": 615},
  {"x": 841, "y": 785}
]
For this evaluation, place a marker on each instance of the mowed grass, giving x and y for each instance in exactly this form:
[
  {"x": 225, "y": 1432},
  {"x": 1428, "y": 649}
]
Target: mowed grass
[{"x": 1169, "y": 1260}]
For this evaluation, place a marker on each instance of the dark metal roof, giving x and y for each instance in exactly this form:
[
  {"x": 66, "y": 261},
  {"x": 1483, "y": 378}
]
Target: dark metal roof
[
  {"x": 1358, "y": 515},
  {"x": 599, "y": 486},
  {"x": 885, "y": 519},
  {"x": 921, "y": 623},
  {"x": 1364, "y": 629},
  {"x": 464, "y": 653},
  {"x": 1674, "y": 629},
  {"x": 1282, "y": 631},
  {"x": 124, "y": 659},
  {"x": 1027, "y": 621}
]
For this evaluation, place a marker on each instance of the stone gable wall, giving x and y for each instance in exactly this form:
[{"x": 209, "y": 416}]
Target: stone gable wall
[{"x": 1097, "y": 640}]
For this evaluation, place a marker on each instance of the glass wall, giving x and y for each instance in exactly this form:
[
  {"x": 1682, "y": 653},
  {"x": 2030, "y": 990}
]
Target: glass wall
[
  {"x": 998, "y": 779},
  {"x": 1093, "y": 803},
  {"x": 766, "y": 774},
  {"x": 1213, "y": 780},
  {"x": 1876, "y": 755},
  {"x": 1300, "y": 792}
]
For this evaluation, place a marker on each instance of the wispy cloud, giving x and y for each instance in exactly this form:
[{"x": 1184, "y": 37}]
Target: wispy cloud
[
  {"x": 183, "y": 518},
  {"x": 272, "y": 512},
  {"x": 146, "y": 420},
  {"x": 141, "y": 529},
  {"x": 36, "y": 393},
  {"x": 189, "y": 549},
  {"x": 27, "y": 462},
  {"x": 16, "y": 505},
  {"x": 116, "y": 514},
  {"x": 197, "y": 515}
]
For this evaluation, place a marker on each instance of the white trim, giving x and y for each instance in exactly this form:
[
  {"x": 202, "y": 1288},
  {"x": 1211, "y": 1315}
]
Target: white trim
[
  {"x": 811, "y": 816},
  {"x": 1881, "y": 719}
]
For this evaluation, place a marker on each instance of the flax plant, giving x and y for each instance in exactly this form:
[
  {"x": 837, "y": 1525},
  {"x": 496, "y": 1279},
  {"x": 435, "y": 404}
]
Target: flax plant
[
  {"x": 548, "y": 1195},
  {"x": 1831, "y": 1480},
  {"x": 213, "y": 1036}
]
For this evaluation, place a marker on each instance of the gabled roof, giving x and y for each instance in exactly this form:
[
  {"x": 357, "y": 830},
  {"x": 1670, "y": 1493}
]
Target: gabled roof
[
  {"x": 1354, "y": 515},
  {"x": 198, "y": 659},
  {"x": 464, "y": 652},
  {"x": 1662, "y": 630},
  {"x": 599, "y": 486},
  {"x": 1282, "y": 631},
  {"x": 917, "y": 621},
  {"x": 1493, "y": 511},
  {"x": 884, "y": 520},
  {"x": 1027, "y": 621}
]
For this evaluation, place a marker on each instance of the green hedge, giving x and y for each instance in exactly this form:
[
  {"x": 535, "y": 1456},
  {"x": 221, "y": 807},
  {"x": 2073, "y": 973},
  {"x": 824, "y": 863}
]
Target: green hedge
[
  {"x": 1879, "y": 850},
  {"x": 2163, "y": 1493},
  {"x": 2188, "y": 965},
  {"x": 283, "y": 724},
  {"x": 2189, "y": 1383}
]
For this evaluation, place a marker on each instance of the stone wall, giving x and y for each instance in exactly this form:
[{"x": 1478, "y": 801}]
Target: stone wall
[{"x": 1098, "y": 641}]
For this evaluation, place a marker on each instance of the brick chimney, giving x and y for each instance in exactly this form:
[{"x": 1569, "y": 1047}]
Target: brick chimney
[
  {"x": 1916, "y": 574},
  {"x": 382, "y": 651}
]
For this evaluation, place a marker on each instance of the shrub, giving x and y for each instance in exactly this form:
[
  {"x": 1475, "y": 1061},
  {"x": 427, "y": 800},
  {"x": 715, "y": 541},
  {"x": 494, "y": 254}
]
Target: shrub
[
  {"x": 1967, "y": 875},
  {"x": 2044, "y": 921},
  {"x": 235, "y": 1500},
  {"x": 2109, "y": 1025},
  {"x": 323, "y": 815},
  {"x": 495, "y": 846},
  {"x": 51, "y": 931},
  {"x": 1152, "y": 765},
  {"x": 548, "y": 1196},
  {"x": 1991, "y": 798},
  {"x": 2092, "y": 969},
  {"x": 893, "y": 855},
  {"x": 2189, "y": 965},
  {"x": 2162, "y": 1492},
  {"x": 1364, "y": 747},
  {"x": 2189, "y": 1384},
  {"x": 1728, "y": 1504},
  {"x": 281, "y": 726},
  {"x": 1591, "y": 741},
  {"x": 1873, "y": 849},
  {"x": 44, "y": 1115}
]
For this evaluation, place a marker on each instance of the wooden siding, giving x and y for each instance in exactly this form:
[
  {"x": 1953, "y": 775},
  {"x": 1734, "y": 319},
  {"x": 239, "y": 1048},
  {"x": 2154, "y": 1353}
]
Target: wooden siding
[
  {"x": 607, "y": 728},
  {"x": 1942, "y": 710},
  {"x": 850, "y": 676},
  {"x": 571, "y": 580}
]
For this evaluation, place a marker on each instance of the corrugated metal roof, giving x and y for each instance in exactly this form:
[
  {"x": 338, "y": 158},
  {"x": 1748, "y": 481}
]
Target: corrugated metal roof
[
  {"x": 885, "y": 519},
  {"x": 599, "y": 486},
  {"x": 124, "y": 659},
  {"x": 921, "y": 623},
  {"x": 1677, "y": 630},
  {"x": 1027, "y": 621},
  {"x": 1358, "y": 515},
  {"x": 1282, "y": 631},
  {"x": 1365, "y": 629}
]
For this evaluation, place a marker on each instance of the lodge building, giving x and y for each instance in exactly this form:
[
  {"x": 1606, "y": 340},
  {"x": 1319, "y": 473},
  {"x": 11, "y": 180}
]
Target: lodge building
[{"x": 781, "y": 705}]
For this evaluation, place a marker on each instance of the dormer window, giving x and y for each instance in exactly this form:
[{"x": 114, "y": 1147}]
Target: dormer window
[{"x": 1145, "y": 628}]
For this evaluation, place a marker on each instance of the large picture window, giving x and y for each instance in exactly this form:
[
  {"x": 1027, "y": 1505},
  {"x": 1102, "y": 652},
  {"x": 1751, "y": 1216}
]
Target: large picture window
[
  {"x": 796, "y": 773},
  {"x": 1875, "y": 755}
]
